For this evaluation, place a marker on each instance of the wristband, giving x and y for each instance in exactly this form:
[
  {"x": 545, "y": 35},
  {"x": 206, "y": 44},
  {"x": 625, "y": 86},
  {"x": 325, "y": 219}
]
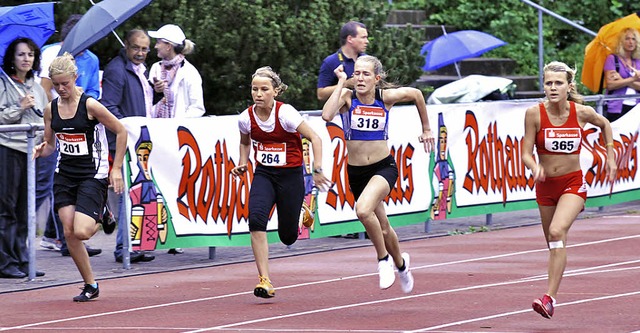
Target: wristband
[{"x": 318, "y": 170}]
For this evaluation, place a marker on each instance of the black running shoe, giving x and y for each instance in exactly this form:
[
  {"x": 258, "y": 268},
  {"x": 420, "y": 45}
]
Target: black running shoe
[
  {"x": 88, "y": 293},
  {"x": 108, "y": 221}
]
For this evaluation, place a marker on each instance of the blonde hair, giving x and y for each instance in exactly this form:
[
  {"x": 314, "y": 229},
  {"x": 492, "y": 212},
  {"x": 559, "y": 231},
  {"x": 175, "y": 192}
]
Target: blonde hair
[
  {"x": 621, "y": 38},
  {"x": 561, "y": 67},
  {"x": 377, "y": 70},
  {"x": 187, "y": 46},
  {"x": 64, "y": 64},
  {"x": 268, "y": 73}
]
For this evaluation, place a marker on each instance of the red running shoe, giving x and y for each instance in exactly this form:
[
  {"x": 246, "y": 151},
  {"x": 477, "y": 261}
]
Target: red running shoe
[{"x": 544, "y": 306}]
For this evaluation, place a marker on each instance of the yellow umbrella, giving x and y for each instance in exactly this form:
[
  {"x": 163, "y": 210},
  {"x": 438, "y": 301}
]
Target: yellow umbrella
[{"x": 601, "y": 46}]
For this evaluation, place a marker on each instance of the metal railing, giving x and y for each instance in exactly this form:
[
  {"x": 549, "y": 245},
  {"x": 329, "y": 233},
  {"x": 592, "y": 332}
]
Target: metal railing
[
  {"x": 30, "y": 129},
  {"x": 542, "y": 10}
]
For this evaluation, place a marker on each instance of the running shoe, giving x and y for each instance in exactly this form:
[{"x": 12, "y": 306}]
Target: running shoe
[
  {"x": 50, "y": 244},
  {"x": 544, "y": 306},
  {"x": 264, "y": 289},
  {"x": 406, "y": 278},
  {"x": 306, "y": 216},
  {"x": 88, "y": 293},
  {"x": 386, "y": 272},
  {"x": 108, "y": 221}
]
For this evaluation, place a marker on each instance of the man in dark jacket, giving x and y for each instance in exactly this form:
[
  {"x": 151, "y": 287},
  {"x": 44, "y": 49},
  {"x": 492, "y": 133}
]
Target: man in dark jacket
[{"x": 127, "y": 92}]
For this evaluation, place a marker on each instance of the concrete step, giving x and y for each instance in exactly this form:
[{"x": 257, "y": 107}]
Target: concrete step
[
  {"x": 431, "y": 32},
  {"x": 528, "y": 94},
  {"x": 481, "y": 66},
  {"x": 407, "y": 16},
  {"x": 435, "y": 81},
  {"x": 524, "y": 82}
]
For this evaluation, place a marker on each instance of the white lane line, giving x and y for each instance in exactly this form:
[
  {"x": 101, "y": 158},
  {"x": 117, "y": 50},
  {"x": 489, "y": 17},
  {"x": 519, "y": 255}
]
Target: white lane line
[
  {"x": 440, "y": 292},
  {"x": 591, "y": 268},
  {"x": 505, "y": 314},
  {"x": 204, "y": 299}
]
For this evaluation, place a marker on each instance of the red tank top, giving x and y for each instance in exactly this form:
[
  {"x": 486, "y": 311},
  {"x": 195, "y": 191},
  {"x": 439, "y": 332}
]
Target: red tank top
[
  {"x": 557, "y": 140},
  {"x": 278, "y": 148}
]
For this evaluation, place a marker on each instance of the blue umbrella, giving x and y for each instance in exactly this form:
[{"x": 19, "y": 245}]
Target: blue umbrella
[
  {"x": 451, "y": 48},
  {"x": 98, "y": 21},
  {"x": 34, "y": 20}
]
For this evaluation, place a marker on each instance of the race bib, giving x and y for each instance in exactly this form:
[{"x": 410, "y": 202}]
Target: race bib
[
  {"x": 272, "y": 154},
  {"x": 368, "y": 118},
  {"x": 562, "y": 140},
  {"x": 73, "y": 144}
]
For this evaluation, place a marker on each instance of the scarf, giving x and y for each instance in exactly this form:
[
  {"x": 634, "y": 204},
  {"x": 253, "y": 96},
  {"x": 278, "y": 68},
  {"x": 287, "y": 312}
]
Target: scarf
[
  {"x": 146, "y": 88},
  {"x": 169, "y": 68}
]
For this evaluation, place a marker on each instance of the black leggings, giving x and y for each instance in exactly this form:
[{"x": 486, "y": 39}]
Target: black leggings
[{"x": 283, "y": 187}]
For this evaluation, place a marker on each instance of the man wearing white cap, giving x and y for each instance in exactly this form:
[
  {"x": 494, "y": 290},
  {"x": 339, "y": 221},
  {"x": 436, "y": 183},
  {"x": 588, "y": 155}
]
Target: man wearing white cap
[{"x": 177, "y": 82}]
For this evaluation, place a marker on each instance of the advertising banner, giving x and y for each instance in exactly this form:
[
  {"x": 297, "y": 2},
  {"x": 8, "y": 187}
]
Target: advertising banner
[{"x": 182, "y": 194}]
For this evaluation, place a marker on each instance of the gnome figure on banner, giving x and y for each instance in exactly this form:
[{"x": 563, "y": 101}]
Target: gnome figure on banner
[
  {"x": 148, "y": 212},
  {"x": 307, "y": 213},
  {"x": 443, "y": 176}
]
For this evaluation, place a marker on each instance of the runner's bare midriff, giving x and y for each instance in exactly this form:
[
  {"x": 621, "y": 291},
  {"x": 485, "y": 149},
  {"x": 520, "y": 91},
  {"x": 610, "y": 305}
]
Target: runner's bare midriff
[{"x": 366, "y": 152}]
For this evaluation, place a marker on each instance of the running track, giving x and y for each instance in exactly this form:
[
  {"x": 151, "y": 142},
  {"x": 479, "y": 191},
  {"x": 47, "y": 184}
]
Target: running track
[{"x": 481, "y": 282}]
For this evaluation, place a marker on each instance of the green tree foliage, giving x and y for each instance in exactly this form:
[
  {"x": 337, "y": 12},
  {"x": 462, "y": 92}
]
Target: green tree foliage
[
  {"x": 235, "y": 37},
  {"x": 517, "y": 24}
]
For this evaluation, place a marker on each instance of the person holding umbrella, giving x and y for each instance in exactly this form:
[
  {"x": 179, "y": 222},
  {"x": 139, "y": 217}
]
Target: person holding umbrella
[
  {"x": 561, "y": 191},
  {"x": 622, "y": 74},
  {"x": 372, "y": 170},
  {"x": 75, "y": 126},
  {"x": 20, "y": 98}
]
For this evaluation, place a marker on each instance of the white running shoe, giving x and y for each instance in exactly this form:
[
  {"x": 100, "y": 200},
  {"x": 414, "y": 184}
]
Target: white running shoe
[
  {"x": 50, "y": 244},
  {"x": 406, "y": 278},
  {"x": 386, "y": 272}
]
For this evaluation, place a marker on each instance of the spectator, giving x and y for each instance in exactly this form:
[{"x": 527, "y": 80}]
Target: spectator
[
  {"x": 353, "y": 40},
  {"x": 80, "y": 181},
  {"x": 621, "y": 72},
  {"x": 371, "y": 169},
  {"x": 87, "y": 62},
  {"x": 176, "y": 81},
  {"x": 126, "y": 92},
  {"x": 88, "y": 79},
  {"x": 21, "y": 59},
  {"x": 278, "y": 176}
]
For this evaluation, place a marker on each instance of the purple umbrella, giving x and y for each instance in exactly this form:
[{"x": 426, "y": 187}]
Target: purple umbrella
[{"x": 453, "y": 47}]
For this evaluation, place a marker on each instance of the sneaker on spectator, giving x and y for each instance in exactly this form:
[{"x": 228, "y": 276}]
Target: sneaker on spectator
[
  {"x": 91, "y": 251},
  {"x": 175, "y": 251},
  {"x": 264, "y": 289},
  {"x": 406, "y": 278},
  {"x": 108, "y": 221},
  {"x": 88, "y": 293},
  {"x": 386, "y": 273},
  {"x": 50, "y": 243},
  {"x": 544, "y": 306}
]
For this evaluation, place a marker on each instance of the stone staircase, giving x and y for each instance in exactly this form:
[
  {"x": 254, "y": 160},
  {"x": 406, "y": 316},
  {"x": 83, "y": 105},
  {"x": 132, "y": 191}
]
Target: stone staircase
[{"x": 526, "y": 86}]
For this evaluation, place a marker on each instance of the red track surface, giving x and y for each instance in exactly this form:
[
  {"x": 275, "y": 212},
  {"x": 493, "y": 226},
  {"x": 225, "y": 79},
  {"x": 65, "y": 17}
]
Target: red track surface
[{"x": 481, "y": 282}]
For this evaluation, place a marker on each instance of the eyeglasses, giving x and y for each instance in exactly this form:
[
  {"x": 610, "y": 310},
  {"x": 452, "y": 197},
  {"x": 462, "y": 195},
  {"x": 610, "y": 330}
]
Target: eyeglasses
[{"x": 138, "y": 49}]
